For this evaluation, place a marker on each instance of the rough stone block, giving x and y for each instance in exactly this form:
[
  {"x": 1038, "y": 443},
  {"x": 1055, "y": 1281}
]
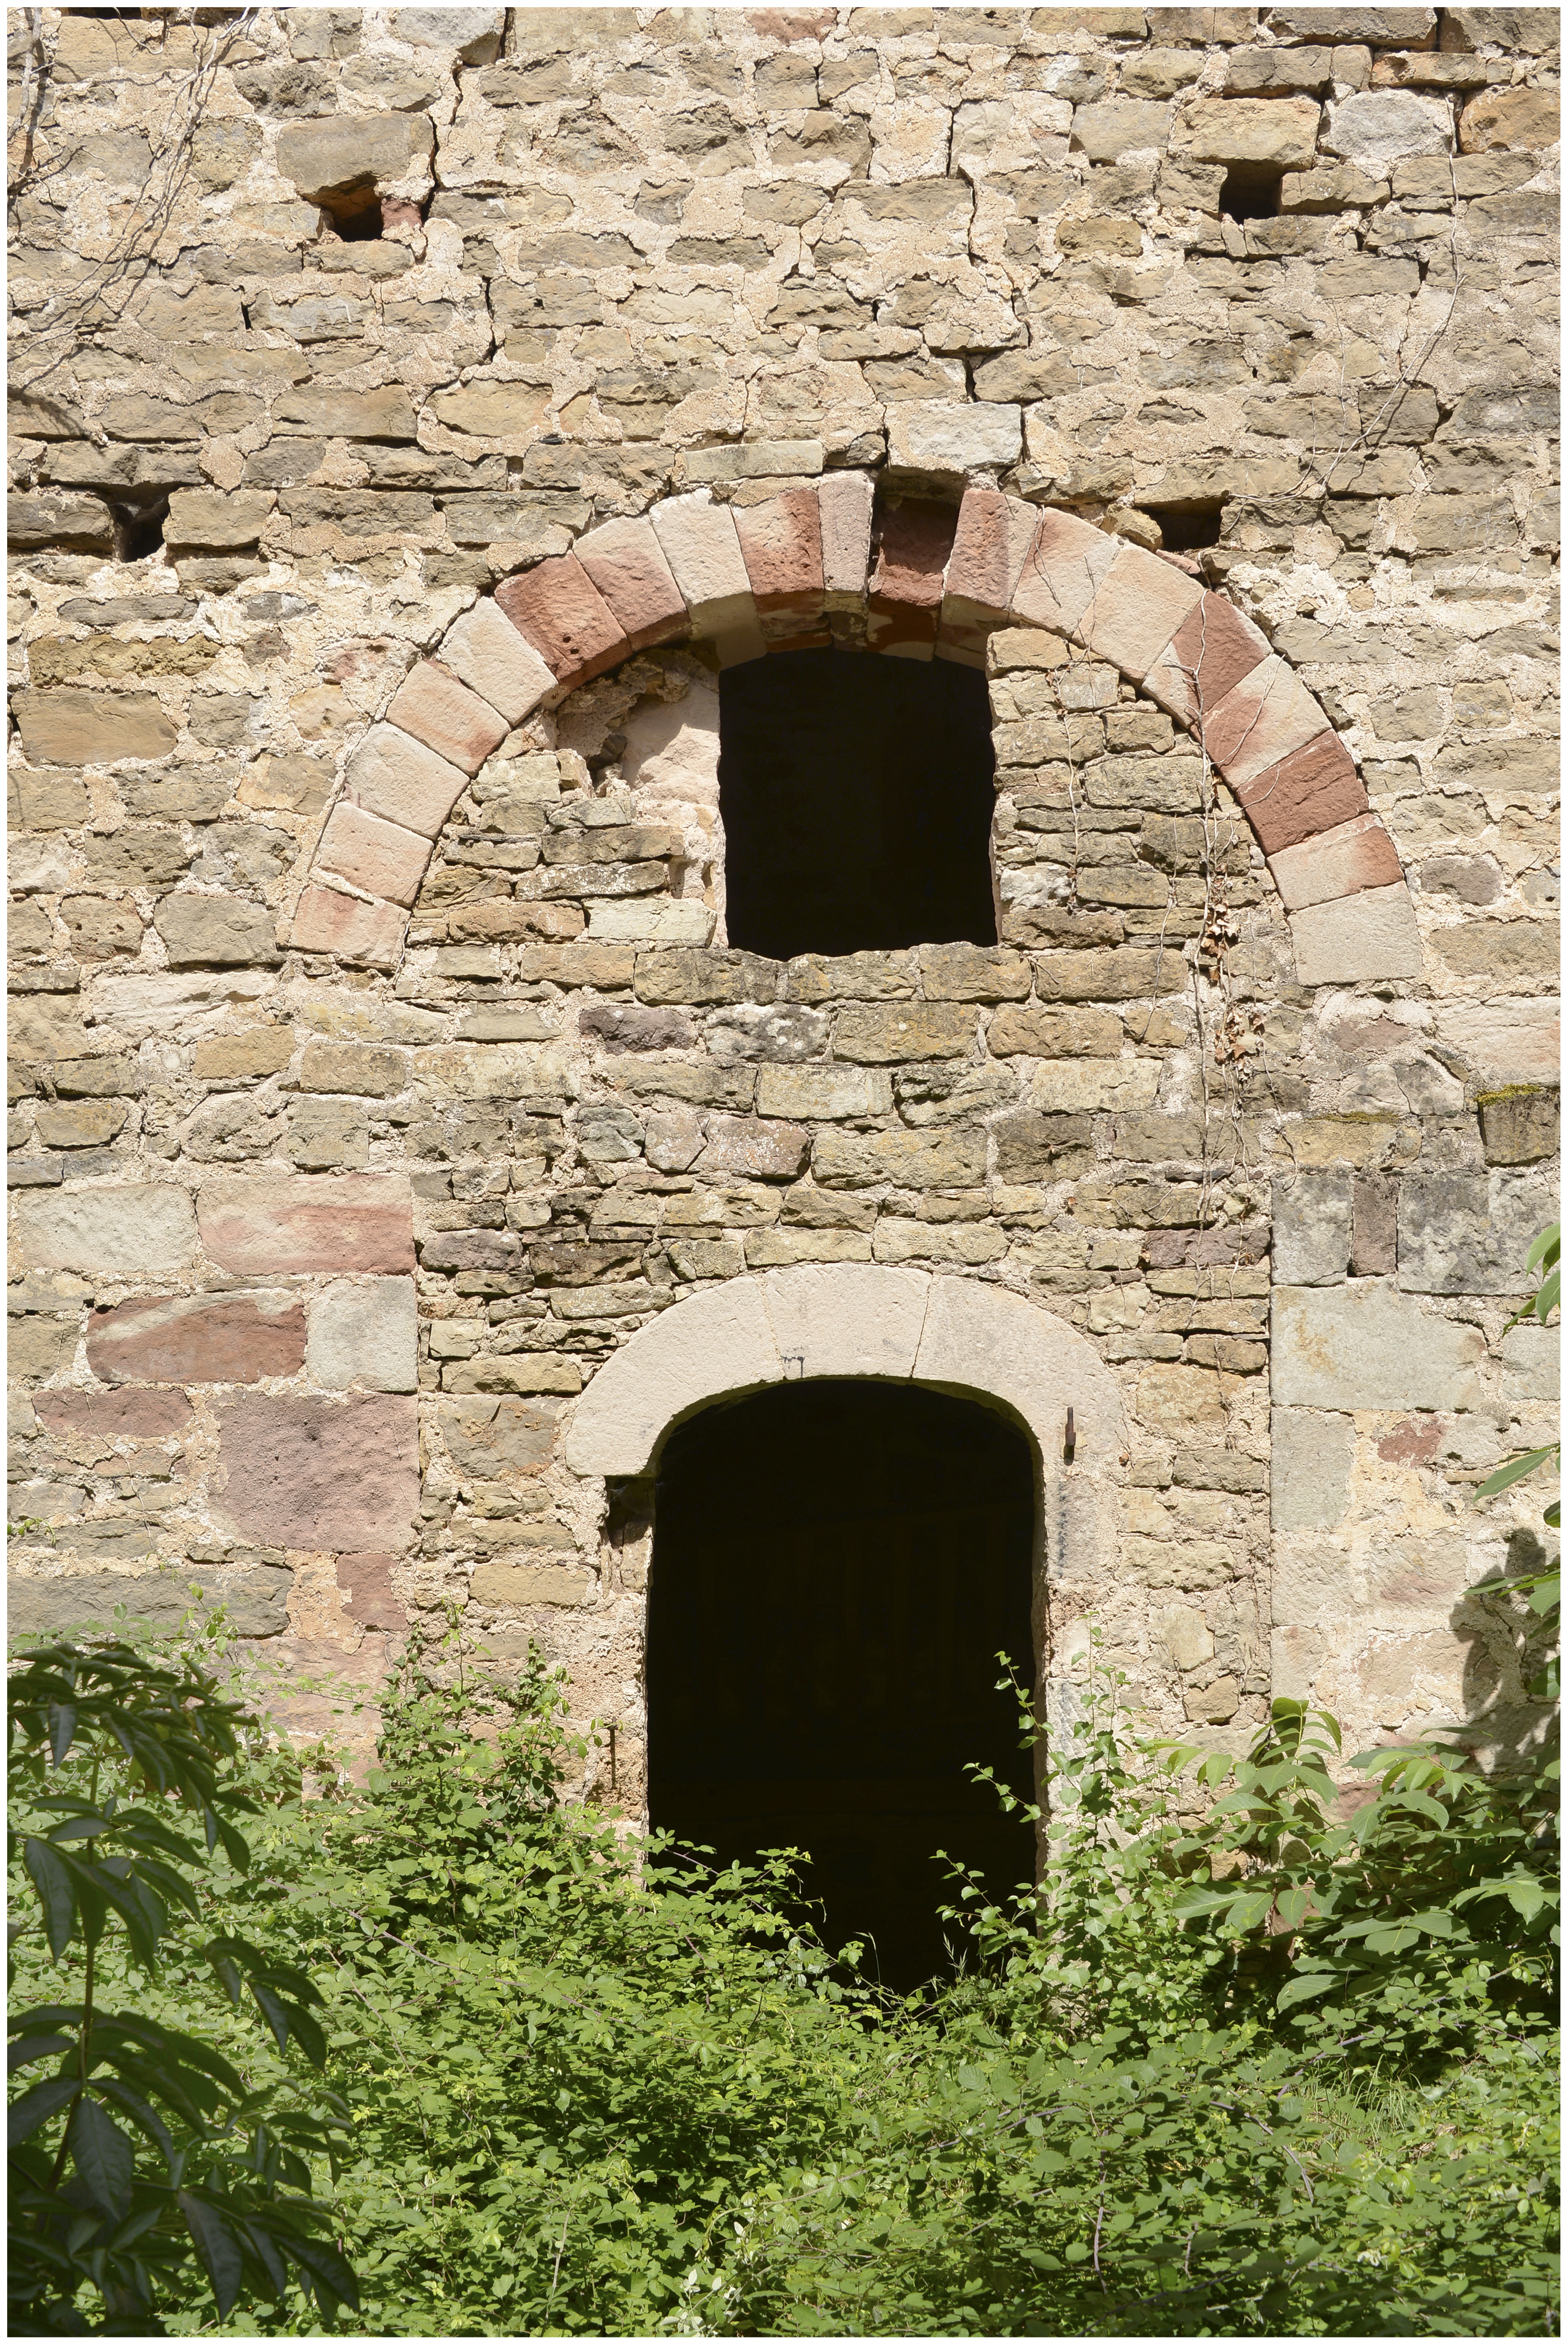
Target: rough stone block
[
  {"x": 1312, "y": 1588},
  {"x": 255, "y": 1598},
  {"x": 1179, "y": 1401},
  {"x": 1375, "y": 1226},
  {"x": 338, "y": 1475},
  {"x": 1035, "y": 1147},
  {"x": 1364, "y": 1345},
  {"x": 240, "y": 1058},
  {"x": 342, "y": 152},
  {"x": 365, "y": 1333},
  {"x": 1089, "y": 1086},
  {"x": 973, "y": 973},
  {"x": 1138, "y": 606},
  {"x": 1312, "y": 1453},
  {"x": 704, "y": 552},
  {"x": 1344, "y": 861},
  {"x": 1358, "y": 938},
  {"x": 1519, "y": 1125},
  {"x": 755, "y": 1149},
  {"x": 515, "y": 1585},
  {"x": 217, "y": 518},
  {"x": 1314, "y": 789},
  {"x": 1037, "y": 1032},
  {"x": 1118, "y": 973},
  {"x": 780, "y": 545},
  {"x": 1109, "y": 128},
  {"x": 1265, "y": 716},
  {"x": 492, "y": 1440},
  {"x": 844, "y": 502},
  {"x": 1061, "y": 572},
  {"x": 381, "y": 856},
  {"x": 1313, "y": 1228},
  {"x": 948, "y": 436},
  {"x": 1281, "y": 134},
  {"x": 327, "y": 921},
  {"x": 909, "y": 1160},
  {"x": 562, "y": 613},
  {"x": 143, "y": 1231},
  {"x": 823, "y": 1093},
  {"x": 487, "y": 652},
  {"x": 626, "y": 565},
  {"x": 912, "y": 543},
  {"x": 337, "y": 414},
  {"x": 111, "y": 1417},
  {"x": 991, "y": 547},
  {"x": 216, "y": 932},
  {"x": 881, "y": 1033},
  {"x": 705, "y": 978},
  {"x": 1511, "y": 117},
  {"x": 393, "y": 774},
  {"x": 447, "y": 716},
  {"x": 91, "y": 728},
  {"x": 277, "y": 1225},
  {"x": 197, "y": 1339},
  {"x": 1468, "y": 1234},
  {"x": 1378, "y": 129}
]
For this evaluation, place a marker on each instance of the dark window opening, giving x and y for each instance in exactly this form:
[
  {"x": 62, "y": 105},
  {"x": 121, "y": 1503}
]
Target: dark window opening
[
  {"x": 1250, "y": 194},
  {"x": 836, "y": 1565},
  {"x": 856, "y": 793},
  {"x": 1185, "y": 529},
  {"x": 355, "y": 214},
  {"x": 139, "y": 527}
]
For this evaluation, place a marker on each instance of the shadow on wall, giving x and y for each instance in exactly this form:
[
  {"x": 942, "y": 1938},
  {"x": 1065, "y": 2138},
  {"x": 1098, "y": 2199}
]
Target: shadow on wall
[{"x": 1505, "y": 1645}]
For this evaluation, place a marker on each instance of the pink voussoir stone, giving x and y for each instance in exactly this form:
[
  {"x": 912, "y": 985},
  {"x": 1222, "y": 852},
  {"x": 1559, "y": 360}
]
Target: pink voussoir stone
[
  {"x": 1345, "y": 862},
  {"x": 381, "y": 856},
  {"x": 913, "y": 540},
  {"x": 394, "y": 776},
  {"x": 843, "y": 501},
  {"x": 486, "y": 652},
  {"x": 1138, "y": 606},
  {"x": 449, "y": 719},
  {"x": 271, "y": 1225},
  {"x": 1060, "y": 572},
  {"x": 1315, "y": 789},
  {"x": 780, "y": 545},
  {"x": 327, "y": 922},
  {"x": 1262, "y": 719},
  {"x": 1214, "y": 647},
  {"x": 991, "y": 547},
  {"x": 626, "y": 565},
  {"x": 566, "y": 619}
]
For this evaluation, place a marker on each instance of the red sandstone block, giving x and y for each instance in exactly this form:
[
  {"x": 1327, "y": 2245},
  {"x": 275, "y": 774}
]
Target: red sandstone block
[
  {"x": 1214, "y": 647},
  {"x": 1061, "y": 571},
  {"x": 320, "y": 1475},
  {"x": 454, "y": 722},
  {"x": 382, "y": 857},
  {"x": 367, "y": 1582},
  {"x": 1138, "y": 606},
  {"x": 1314, "y": 789},
  {"x": 566, "y": 619},
  {"x": 326, "y": 921},
  {"x": 626, "y": 565},
  {"x": 913, "y": 541},
  {"x": 991, "y": 545},
  {"x": 780, "y": 545},
  {"x": 231, "y": 1339},
  {"x": 1345, "y": 862},
  {"x": 1261, "y": 720},
  {"x": 273, "y": 1224},
  {"x": 109, "y": 1417},
  {"x": 486, "y": 652},
  {"x": 394, "y": 776}
]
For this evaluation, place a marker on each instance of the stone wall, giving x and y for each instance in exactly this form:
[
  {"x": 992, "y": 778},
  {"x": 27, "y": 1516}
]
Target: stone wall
[{"x": 381, "y": 1073}]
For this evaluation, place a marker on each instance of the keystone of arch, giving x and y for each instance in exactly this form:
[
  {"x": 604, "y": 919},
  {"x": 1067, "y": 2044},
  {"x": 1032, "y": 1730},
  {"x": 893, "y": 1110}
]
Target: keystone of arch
[
  {"x": 850, "y": 1319},
  {"x": 765, "y": 582}
]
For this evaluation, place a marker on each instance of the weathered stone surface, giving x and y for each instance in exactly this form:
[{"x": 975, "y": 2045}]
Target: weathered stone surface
[
  {"x": 1358, "y": 938},
  {"x": 447, "y": 716},
  {"x": 344, "y": 152},
  {"x": 909, "y": 1160},
  {"x": 1281, "y": 132},
  {"x": 754, "y": 1148},
  {"x": 878, "y": 1034},
  {"x": 626, "y": 565},
  {"x": 216, "y": 932},
  {"x": 143, "y": 1229},
  {"x": 515, "y": 1585},
  {"x": 255, "y": 1599},
  {"x": 704, "y": 552},
  {"x": 278, "y": 1226},
  {"x": 1362, "y": 1346},
  {"x": 1312, "y": 1455},
  {"x": 1511, "y": 117},
  {"x": 371, "y": 1071},
  {"x": 197, "y": 1339},
  {"x": 381, "y": 856},
  {"x": 210, "y": 518},
  {"x": 1377, "y": 128},
  {"x": 1039, "y": 1032},
  {"x": 946, "y": 436},
  {"x": 826, "y": 1092},
  {"x": 1468, "y": 1234},
  {"x": 562, "y": 615},
  {"x": 1519, "y": 1125},
  {"x": 394, "y": 776},
  {"x": 1313, "y": 1228},
  {"x": 316, "y": 1474},
  {"x": 91, "y": 728},
  {"x": 386, "y": 414},
  {"x": 1353, "y": 856},
  {"x": 364, "y": 1332},
  {"x": 328, "y": 921},
  {"x": 1112, "y": 127}
]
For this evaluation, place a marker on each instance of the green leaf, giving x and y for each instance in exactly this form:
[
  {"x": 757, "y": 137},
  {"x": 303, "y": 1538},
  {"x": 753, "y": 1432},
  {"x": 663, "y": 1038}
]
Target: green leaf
[
  {"x": 1305, "y": 1985},
  {"x": 102, "y": 2155},
  {"x": 36, "y": 2106},
  {"x": 51, "y": 1878},
  {"x": 1527, "y": 1461},
  {"x": 221, "y": 2256}
]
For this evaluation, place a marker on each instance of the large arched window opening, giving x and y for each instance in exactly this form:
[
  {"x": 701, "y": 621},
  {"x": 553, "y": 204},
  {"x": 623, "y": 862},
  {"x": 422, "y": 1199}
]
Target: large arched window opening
[
  {"x": 856, "y": 794},
  {"x": 836, "y": 1566}
]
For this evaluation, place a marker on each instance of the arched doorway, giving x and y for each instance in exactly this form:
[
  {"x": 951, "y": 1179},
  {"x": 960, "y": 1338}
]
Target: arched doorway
[{"x": 836, "y": 1565}]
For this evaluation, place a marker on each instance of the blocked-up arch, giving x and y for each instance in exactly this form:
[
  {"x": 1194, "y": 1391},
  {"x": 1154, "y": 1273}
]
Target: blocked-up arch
[{"x": 765, "y": 578}]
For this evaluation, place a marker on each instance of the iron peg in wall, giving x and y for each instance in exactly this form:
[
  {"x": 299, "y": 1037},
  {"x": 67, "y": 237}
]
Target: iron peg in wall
[{"x": 1070, "y": 1441}]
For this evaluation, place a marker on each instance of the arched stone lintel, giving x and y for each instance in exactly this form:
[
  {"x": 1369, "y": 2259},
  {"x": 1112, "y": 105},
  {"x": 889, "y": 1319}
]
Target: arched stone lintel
[
  {"x": 761, "y": 579},
  {"x": 851, "y": 1319}
]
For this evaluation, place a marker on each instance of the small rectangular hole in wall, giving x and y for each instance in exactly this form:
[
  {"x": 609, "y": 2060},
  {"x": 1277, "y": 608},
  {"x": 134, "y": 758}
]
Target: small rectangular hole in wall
[
  {"x": 356, "y": 217},
  {"x": 1249, "y": 194},
  {"x": 1185, "y": 529},
  {"x": 139, "y": 528}
]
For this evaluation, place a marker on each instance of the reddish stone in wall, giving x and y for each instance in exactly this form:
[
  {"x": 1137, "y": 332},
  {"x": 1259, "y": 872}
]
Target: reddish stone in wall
[
  {"x": 912, "y": 543},
  {"x": 626, "y": 565},
  {"x": 1214, "y": 647},
  {"x": 566, "y": 619},
  {"x": 366, "y": 1581},
  {"x": 141, "y": 1415},
  {"x": 197, "y": 1339},
  {"x": 1312, "y": 789},
  {"x": 266, "y": 1226},
  {"x": 334, "y": 1476}
]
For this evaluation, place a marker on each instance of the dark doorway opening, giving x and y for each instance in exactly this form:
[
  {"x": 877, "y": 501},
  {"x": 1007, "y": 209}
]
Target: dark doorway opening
[
  {"x": 856, "y": 794},
  {"x": 836, "y": 1565}
]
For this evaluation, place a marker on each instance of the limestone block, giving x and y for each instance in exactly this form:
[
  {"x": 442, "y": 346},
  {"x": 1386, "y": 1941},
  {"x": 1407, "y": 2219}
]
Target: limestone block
[
  {"x": 60, "y": 520},
  {"x": 881, "y": 1033},
  {"x": 717, "y": 1342},
  {"x": 1004, "y": 1347},
  {"x": 490, "y": 1439},
  {"x": 255, "y": 1598},
  {"x": 1313, "y": 1228},
  {"x": 756, "y": 1150},
  {"x": 562, "y": 613},
  {"x": 91, "y": 728},
  {"x": 1138, "y": 606},
  {"x": 1511, "y": 117},
  {"x": 1037, "y": 1032},
  {"x": 217, "y": 932},
  {"x": 342, "y": 152},
  {"x": 1111, "y": 127},
  {"x": 363, "y": 1069},
  {"x": 1265, "y": 716},
  {"x": 1468, "y": 1234},
  {"x": 1061, "y": 572},
  {"x": 148, "y": 1229},
  {"x": 1519, "y": 1125},
  {"x": 823, "y": 1093},
  {"x": 1085, "y": 1086},
  {"x": 385, "y": 414},
  {"x": 339, "y": 1475},
  {"x": 277, "y": 1225},
  {"x": 1344, "y": 861},
  {"x": 652, "y": 922},
  {"x": 899, "y": 1239},
  {"x": 1365, "y": 1346},
  {"x": 487, "y": 652},
  {"x": 844, "y": 504},
  {"x": 381, "y": 856},
  {"x": 625, "y": 562},
  {"x": 973, "y": 973},
  {"x": 1186, "y": 1636},
  {"x": 704, "y": 552},
  {"x": 946, "y": 436},
  {"x": 1532, "y": 1357},
  {"x": 521, "y": 1584},
  {"x": 1278, "y": 132},
  {"x": 327, "y": 921},
  {"x": 474, "y": 35},
  {"x": 1376, "y": 128},
  {"x": 365, "y": 1333},
  {"x": 845, "y": 1320},
  {"x": 447, "y": 716},
  {"x": 909, "y": 1160},
  {"x": 215, "y": 518},
  {"x": 492, "y": 1070},
  {"x": 197, "y": 1339},
  {"x": 1358, "y": 938},
  {"x": 1310, "y": 1456}
]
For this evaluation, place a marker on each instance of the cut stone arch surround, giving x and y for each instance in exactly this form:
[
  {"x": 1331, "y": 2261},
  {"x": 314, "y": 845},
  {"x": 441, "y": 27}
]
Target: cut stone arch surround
[{"x": 772, "y": 577}]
